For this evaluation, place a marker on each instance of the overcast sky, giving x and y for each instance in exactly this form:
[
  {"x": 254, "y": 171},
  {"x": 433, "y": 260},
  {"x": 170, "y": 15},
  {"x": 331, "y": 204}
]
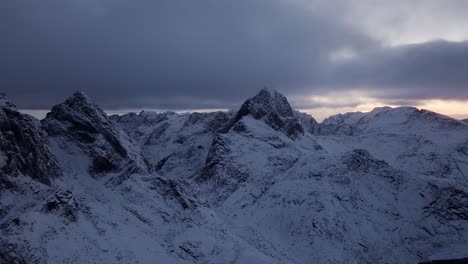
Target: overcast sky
[{"x": 326, "y": 56}]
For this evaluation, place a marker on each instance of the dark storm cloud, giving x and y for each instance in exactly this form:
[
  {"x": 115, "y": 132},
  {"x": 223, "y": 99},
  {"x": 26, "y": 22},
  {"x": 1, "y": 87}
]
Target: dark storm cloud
[
  {"x": 179, "y": 54},
  {"x": 421, "y": 71}
]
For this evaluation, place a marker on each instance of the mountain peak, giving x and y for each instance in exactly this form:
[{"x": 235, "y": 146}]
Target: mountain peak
[
  {"x": 23, "y": 147},
  {"x": 80, "y": 106},
  {"x": 86, "y": 124},
  {"x": 80, "y": 98},
  {"x": 267, "y": 101},
  {"x": 80, "y": 95},
  {"x": 5, "y": 103},
  {"x": 268, "y": 105}
]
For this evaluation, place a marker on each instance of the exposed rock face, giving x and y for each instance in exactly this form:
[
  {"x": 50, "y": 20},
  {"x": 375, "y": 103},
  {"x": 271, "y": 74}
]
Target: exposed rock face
[
  {"x": 178, "y": 189},
  {"x": 5, "y": 103},
  {"x": 273, "y": 108},
  {"x": 267, "y": 102},
  {"x": 220, "y": 170},
  {"x": 361, "y": 160},
  {"x": 176, "y": 144},
  {"x": 131, "y": 122},
  {"x": 23, "y": 146},
  {"x": 308, "y": 122},
  {"x": 12, "y": 253},
  {"x": 62, "y": 203},
  {"x": 84, "y": 123},
  {"x": 447, "y": 261},
  {"x": 448, "y": 204}
]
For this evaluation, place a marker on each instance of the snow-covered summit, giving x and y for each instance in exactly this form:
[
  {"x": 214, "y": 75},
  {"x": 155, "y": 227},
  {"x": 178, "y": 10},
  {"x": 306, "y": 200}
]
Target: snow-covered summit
[
  {"x": 82, "y": 122},
  {"x": 388, "y": 120},
  {"x": 271, "y": 107},
  {"x": 352, "y": 118}
]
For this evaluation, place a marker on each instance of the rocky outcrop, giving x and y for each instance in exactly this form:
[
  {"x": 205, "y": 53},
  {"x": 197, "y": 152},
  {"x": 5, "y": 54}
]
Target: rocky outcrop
[
  {"x": 448, "y": 203},
  {"x": 447, "y": 261},
  {"x": 108, "y": 148},
  {"x": 176, "y": 144},
  {"x": 62, "y": 203},
  {"x": 273, "y": 108},
  {"x": 23, "y": 147},
  {"x": 360, "y": 160},
  {"x": 307, "y": 122},
  {"x": 131, "y": 122}
]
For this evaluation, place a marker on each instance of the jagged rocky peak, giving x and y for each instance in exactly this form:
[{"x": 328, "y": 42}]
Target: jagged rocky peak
[
  {"x": 80, "y": 120},
  {"x": 272, "y": 107},
  {"x": 23, "y": 147},
  {"x": 78, "y": 117},
  {"x": 78, "y": 110},
  {"x": 5, "y": 103},
  {"x": 265, "y": 102}
]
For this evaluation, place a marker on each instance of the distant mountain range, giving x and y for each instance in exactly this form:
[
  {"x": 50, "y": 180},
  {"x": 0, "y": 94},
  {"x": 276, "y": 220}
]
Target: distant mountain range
[{"x": 265, "y": 184}]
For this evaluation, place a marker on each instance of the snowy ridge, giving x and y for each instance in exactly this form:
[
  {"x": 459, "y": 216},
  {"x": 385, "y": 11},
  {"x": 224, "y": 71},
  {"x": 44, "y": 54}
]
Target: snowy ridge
[{"x": 264, "y": 185}]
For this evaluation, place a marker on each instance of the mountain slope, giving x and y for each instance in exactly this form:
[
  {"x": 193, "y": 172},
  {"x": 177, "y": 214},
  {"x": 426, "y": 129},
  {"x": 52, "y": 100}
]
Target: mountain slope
[
  {"x": 367, "y": 196},
  {"x": 89, "y": 216},
  {"x": 380, "y": 179},
  {"x": 79, "y": 123},
  {"x": 266, "y": 184},
  {"x": 23, "y": 148},
  {"x": 176, "y": 144}
]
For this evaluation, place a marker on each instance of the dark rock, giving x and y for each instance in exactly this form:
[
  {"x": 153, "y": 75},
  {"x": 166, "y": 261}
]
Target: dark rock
[
  {"x": 360, "y": 160},
  {"x": 154, "y": 137},
  {"x": 81, "y": 121},
  {"x": 293, "y": 128},
  {"x": 23, "y": 143},
  {"x": 449, "y": 203},
  {"x": 15, "y": 253},
  {"x": 161, "y": 163},
  {"x": 273, "y": 108},
  {"x": 78, "y": 116},
  {"x": 62, "y": 203},
  {"x": 180, "y": 190},
  {"x": 447, "y": 261}
]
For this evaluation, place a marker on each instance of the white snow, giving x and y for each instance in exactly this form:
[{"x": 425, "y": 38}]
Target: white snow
[{"x": 395, "y": 190}]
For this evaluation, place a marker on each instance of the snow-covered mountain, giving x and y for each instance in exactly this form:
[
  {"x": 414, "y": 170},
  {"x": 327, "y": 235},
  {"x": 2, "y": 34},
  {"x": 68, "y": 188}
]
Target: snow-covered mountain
[
  {"x": 265, "y": 184},
  {"x": 23, "y": 148}
]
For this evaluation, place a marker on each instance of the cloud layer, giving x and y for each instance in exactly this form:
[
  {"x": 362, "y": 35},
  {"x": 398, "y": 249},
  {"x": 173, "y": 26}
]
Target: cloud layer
[{"x": 175, "y": 54}]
